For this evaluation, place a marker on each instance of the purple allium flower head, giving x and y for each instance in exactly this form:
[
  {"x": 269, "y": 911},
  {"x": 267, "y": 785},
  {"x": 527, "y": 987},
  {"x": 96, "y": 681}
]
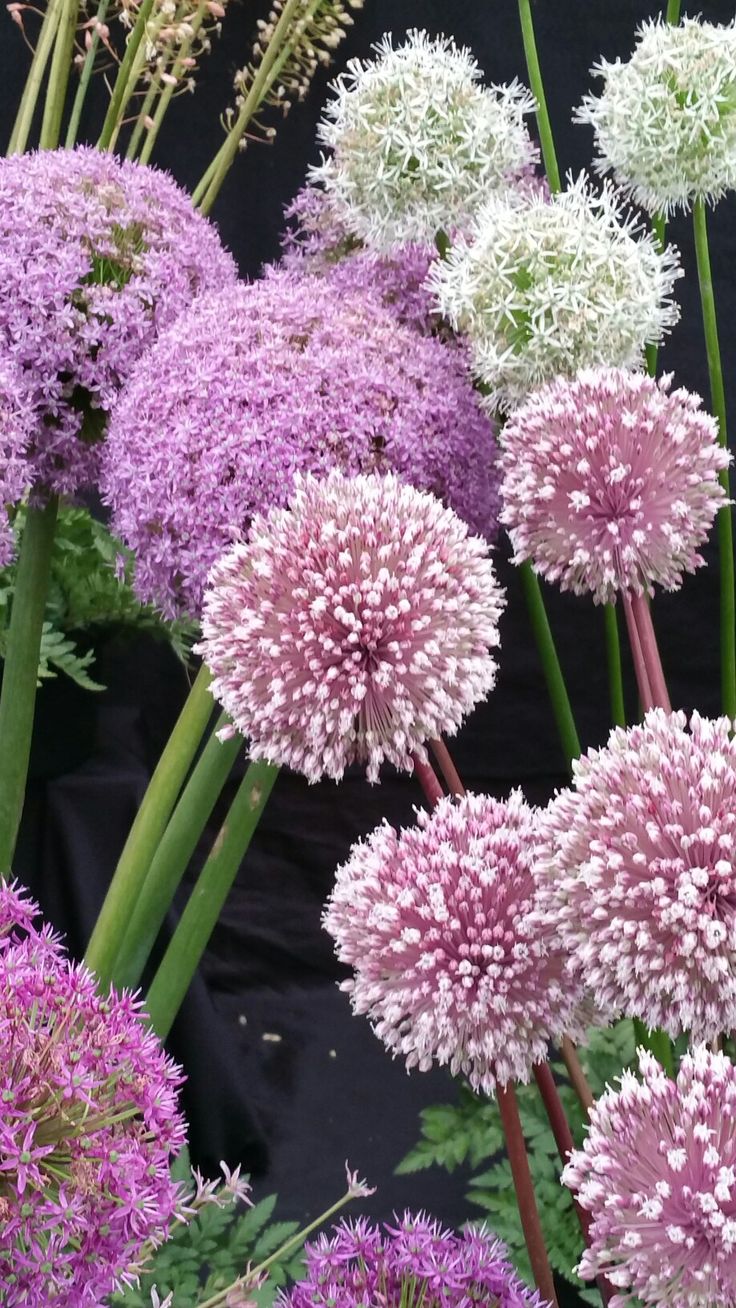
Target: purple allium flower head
[
  {"x": 450, "y": 965},
  {"x": 96, "y": 256},
  {"x": 637, "y": 868},
  {"x": 254, "y": 385},
  {"x": 16, "y": 425},
  {"x": 88, "y": 1125},
  {"x": 352, "y": 627},
  {"x": 412, "y": 1264},
  {"x": 657, "y": 1173},
  {"x": 610, "y": 482}
]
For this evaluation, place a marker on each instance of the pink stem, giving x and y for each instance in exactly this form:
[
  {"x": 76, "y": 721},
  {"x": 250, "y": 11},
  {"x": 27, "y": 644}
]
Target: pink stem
[
  {"x": 447, "y": 767},
  {"x": 643, "y": 618},
  {"x": 427, "y": 779},
  {"x": 637, "y": 654},
  {"x": 527, "y": 1204}
]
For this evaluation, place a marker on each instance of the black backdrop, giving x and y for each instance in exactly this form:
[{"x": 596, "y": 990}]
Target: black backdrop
[{"x": 280, "y": 1075}]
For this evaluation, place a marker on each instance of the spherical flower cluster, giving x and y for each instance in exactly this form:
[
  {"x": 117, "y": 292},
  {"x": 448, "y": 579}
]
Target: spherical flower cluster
[
  {"x": 610, "y": 482},
  {"x": 88, "y": 1126},
  {"x": 657, "y": 1173},
  {"x": 317, "y": 242},
  {"x": 638, "y": 873},
  {"x": 254, "y": 385},
  {"x": 418, "y": 143},
  {"x": 547, "y": 287},
  {"x": 96, "y": 256},
  {"x": 352, "y": 627},
  {"x": 450, "y": 965},
  {"x": 665, "y": 121},
  {"x": 413, "y": 1264},
  {"x": 16, "y": 426}
]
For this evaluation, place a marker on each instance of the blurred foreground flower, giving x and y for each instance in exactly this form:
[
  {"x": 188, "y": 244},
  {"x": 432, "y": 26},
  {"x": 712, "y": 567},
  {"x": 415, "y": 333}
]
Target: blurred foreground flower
[
  {"x": 16, "y": 427},
  {"x": 353, "y": 626},
  {"x": 665, "y": 121},
  {"x": 610, "y": 482},
  {"x": 657, "y": 1174},
  {"x": 96, "y": 256},
  {"x": 636, "y": 865},
  {"x": 412, "y": 1264},
  {"x": 544, "y": 287},
  {"x": 436, "y": 922},
  {"x": 89, "y": 1125},
  {"x": 285, "y": 375},
  {"x": 418, "y": 143}
]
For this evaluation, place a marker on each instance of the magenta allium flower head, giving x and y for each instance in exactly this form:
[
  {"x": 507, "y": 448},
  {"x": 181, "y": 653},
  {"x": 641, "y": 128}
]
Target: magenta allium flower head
[
  {"x": 283, "y": 376},
  {"x": 352, "y": 627},
  {"x": 450, "y": 966},
  {"x": 413, "y": 1264},
  {"x": 610, "y": 482},
  {"x": 96, "y": 256},
  {"x": 16, "y": 425},
  {"x": 88, "y": 1126},
  {"x": 636, "y": 863},
  {"x": 657, "y": 1173}
]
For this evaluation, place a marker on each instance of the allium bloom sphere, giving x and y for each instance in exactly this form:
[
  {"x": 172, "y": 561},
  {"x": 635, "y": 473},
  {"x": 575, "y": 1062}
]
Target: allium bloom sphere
[
  {"x": 96, "y": 256},
  {"x": 418, "y": 143},
  {"x": 412, "y": 1264},
  {"x": 665, "y": 121},
  {"x": 16, "y": 425},
  {"x": 657, "y": 1174},
  {"x": 283, "y": 376},
  {"x": 638, "y": 871},
  {"x": 545, "y": 287},
  {"x": 89, "y": 1125},
  {"x": 610, "y": 482},
  {"x": 437, "y": 922},
  {"x": 352, "y": 627}
]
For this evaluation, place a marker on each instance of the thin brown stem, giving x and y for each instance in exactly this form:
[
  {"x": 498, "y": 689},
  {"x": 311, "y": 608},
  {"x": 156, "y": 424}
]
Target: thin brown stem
[
  {"x": 650, "y": 652},
  {"x": 526, "y": 1202},
  {"x": 447, "y": 767},
  {"x": 637, "y": 655},
  {"x": 578, "y": 1079},
  {"x": 427, "y": 778}
]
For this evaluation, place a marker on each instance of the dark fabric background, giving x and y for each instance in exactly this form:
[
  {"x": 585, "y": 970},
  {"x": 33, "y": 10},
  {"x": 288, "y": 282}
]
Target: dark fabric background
[{"x": 280, "y": 1076}]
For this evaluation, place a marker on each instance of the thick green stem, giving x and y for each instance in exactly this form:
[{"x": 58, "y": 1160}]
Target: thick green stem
[
  {"x": 198, "y": 920},
  {"x": 553, "y": 677},
  {"x": 148, "y": 828},
  {"x": 119, "y": 98},
  {"x": 84, "y": 79},
  {"x": 20, "y": 674},
  {"x": 613, "y": 662},
  {"x": 534, "y": 71},
  {"x": 171, "y": 859},
  {"x": 718, "y": 405},
  {"x": 53, "y": 110},
  {"x": 34, "y": 81},
  {"x": 673, "y": 12}
]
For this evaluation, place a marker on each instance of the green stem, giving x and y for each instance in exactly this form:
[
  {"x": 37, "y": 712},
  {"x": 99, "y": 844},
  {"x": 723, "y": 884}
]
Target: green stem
[
  {"x": 148, "y": 828},
  {"x": 172, "y": 857},
  {"x": 198, "y": 920},
  {"x": 273, "y": 60},
  {"x": 553, "y": 677},
  {"x": 613, "y": 662},
  {"x": 176, "y": 70},
  {"x": 546, "y": 139},
  {"x": 53, "y": 110},
  {"x": 658, "y": 1043},
  {"x": 20, "y": 674},
  {"x": 41, "y": 55},
  {"x": 119, "y": 97},
  {"x": 718, "y": 405},
  {"x": 140, "y": 126},
  {"x": 84, "y": 80},
  {"x": 673, "y": 12}
]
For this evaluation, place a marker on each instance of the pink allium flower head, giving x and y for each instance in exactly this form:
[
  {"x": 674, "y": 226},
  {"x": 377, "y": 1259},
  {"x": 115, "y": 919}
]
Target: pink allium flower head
[
  {"x": 16, "y": 425},
  {"x": 412, "y": 1264},
  {"x": 352, "y": 627},
  {"x": 283, "y": 376},
  {"x": 96, "y": 256},
  {"x": 88, "y": 1126},
  {"x": 637, "y": 868},
  {"x": 610, "y": 482},
  {"x": 450, "y": 966},
  {"x": 657, "y": 1173}
]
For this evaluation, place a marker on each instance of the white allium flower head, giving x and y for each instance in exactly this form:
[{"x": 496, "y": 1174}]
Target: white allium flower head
[
  {"x": 546, "y": 287},
  {"x": 418, "y": 142},
  {"x": 665, "y": 121}
]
